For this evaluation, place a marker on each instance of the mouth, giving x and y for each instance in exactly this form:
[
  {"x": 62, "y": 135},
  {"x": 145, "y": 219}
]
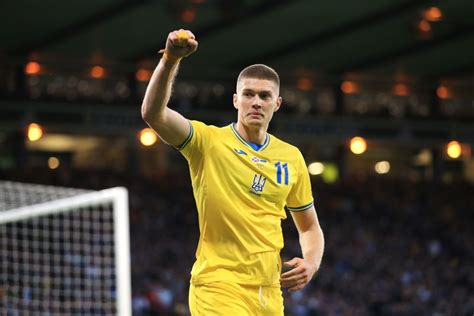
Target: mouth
[{"x": 255, "y": 115}]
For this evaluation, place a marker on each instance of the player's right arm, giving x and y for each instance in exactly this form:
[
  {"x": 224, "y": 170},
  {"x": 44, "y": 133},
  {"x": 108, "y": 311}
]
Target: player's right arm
[{"x": 171, "y": 126}]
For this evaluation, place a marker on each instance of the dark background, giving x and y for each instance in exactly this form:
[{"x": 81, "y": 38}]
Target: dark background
[{"x": 398, "y": 243}]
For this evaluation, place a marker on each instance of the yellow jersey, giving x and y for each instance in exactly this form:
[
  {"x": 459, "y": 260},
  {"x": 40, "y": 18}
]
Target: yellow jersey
[{"x": 241, "y": 195}]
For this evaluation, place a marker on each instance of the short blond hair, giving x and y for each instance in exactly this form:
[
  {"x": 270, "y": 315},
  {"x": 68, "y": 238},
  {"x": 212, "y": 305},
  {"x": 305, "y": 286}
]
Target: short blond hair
[{"x": 259, "y": 71}]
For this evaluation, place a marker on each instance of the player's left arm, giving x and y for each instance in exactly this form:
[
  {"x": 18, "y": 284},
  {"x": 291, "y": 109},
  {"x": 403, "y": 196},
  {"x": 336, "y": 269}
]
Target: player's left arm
[{"x": 312, "y": 246}]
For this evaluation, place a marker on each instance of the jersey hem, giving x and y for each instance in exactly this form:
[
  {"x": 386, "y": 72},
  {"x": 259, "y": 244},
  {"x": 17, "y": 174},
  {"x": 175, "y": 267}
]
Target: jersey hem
[{"x": 251, "y": 282}]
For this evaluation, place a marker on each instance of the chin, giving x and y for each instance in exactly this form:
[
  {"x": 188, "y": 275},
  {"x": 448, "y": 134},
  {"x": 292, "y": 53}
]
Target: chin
[{"x": 254, "y": 123}]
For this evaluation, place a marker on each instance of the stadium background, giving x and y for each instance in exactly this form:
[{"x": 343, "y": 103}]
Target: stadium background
[{"x": 400, "y": 74}]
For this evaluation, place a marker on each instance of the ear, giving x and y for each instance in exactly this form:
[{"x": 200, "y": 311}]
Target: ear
[
  {"x": 234, "y": 100},
  {"x": 278, "y": 103}
]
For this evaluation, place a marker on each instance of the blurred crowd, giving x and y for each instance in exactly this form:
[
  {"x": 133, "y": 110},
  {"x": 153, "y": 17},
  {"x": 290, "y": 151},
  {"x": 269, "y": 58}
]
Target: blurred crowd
[{"x": 393, "y": 247}]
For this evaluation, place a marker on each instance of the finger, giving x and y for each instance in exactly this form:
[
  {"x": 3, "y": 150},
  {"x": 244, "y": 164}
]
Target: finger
[
  {"x": 290, "y": 284},
  {"x": 179, "y": 42},
  {"x": 293, "y": 282},
  {"x": 293, "y": 262},
  {"x": 290, "y": 263},
  {"x": 297, "y": 287},
  {"x": 173, "y": 35},
  {"x": 190, "y": 34},
  {"x": 289, "y": 274},
  {"x": 172, "y": 40},
  {"x": 294, "y": 289},
  {"x": 184, "y": 35},
  {"x": 292, "y": 272},
  {"x": 176, "y": 38},
  {"x": 301, "y": 278},
  {"x": 192, "y": 43}
]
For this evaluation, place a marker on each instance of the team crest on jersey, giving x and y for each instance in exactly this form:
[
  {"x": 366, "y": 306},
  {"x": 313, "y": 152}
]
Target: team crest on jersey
[{"x": 258, "y": 183}]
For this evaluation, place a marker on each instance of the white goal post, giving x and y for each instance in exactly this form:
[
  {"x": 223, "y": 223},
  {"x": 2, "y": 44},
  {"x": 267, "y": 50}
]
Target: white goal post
[{"x": 68, "y": 256}]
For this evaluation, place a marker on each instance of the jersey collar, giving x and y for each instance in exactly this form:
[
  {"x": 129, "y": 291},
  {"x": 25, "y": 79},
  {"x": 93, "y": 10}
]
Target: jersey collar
[{"x": 246, "y": 143}]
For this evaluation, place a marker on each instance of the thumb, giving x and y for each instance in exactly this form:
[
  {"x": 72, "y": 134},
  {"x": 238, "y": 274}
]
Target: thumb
[{"x": 291, "y": 263}]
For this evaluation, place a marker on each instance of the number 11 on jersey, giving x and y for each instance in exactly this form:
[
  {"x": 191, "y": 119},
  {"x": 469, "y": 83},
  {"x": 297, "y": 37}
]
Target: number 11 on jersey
[{"x": 279, "y": 167}]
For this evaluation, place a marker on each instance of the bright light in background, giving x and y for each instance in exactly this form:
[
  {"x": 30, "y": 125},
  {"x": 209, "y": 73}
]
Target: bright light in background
[
  {"x": 148, "y": 137},
  {"x": 400, "y": 89},
  {"x": 305, "y": 84},
  {"x": 35, "y": 132},
  {"x": 424, "y": 26},
  {"x": 315, "y": 168},
  {"x": 382, "y": 167},
  {"x": 454, "y": 149},
  {"x": 143, "y": 75},
  {"x": 358, "y": 145},
  {"x": 188, "y": 15},
  {"x": 53, "y": 163},
  {"x": 433, "y": 14},
  {"x": 442, "y": 92},
  {"x": 348, "y": 87},
  {"x": 97, "y": 72},
  {"x": 32, "y": 68},
  {"x": 330, "y": 173},
  {"x": 423, "y": 158}
]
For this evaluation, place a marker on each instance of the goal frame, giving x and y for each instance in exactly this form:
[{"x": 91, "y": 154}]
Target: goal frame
[{"x": 118, "y": 196}]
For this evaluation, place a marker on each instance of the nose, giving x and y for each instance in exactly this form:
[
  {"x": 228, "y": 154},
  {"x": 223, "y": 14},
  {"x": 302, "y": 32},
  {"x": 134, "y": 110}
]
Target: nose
[{"x": 256, "y": 103}]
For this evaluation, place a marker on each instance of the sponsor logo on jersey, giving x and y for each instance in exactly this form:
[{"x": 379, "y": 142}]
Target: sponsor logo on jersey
[
  {"x": 240, "y": 152},
  {"x": 258, "y": 160}
]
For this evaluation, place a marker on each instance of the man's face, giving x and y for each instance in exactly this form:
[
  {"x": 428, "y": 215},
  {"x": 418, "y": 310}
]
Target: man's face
[{"x": 256, "y": 100}]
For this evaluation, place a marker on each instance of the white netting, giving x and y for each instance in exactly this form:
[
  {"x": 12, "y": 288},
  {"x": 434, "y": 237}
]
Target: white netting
[
  {"x": 15, "y": 194},
  {"x": 59, "y": 257}
]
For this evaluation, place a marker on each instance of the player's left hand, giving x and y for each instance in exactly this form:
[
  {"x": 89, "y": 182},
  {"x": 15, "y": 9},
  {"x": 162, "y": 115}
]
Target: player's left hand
[{"x": 300, "y": 274}]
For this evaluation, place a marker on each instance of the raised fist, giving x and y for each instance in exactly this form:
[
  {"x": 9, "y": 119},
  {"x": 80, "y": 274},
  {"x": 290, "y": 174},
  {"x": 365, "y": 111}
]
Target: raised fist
[{"x": 181, "y": 43}]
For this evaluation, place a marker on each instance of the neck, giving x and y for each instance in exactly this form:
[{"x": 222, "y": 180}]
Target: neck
[{"x": 252, "y": 134}]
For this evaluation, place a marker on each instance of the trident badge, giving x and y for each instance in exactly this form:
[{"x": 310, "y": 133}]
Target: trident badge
[{"x": 258, "y": 183}]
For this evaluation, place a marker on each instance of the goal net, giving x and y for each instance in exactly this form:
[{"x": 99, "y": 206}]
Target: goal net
[{"x": 63, "y": 251}]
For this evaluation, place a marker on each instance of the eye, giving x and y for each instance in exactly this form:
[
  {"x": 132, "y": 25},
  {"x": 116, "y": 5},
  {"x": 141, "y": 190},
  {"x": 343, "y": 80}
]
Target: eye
[{"x": 264, "y": 96}]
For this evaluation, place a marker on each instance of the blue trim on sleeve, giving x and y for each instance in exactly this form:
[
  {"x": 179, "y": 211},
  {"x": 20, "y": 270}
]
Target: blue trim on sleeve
[
  {"x": 188, "y": 139},
  {"x": 300, "y": 208}
]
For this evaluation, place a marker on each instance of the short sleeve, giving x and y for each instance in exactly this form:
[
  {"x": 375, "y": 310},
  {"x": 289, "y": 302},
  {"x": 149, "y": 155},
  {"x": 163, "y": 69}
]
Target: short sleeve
[
  {"x": 197, "y": 141},
  {"x": 300, "y": 197}
]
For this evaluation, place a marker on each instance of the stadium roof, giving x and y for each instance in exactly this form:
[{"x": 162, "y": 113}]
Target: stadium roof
[{"x": 381, "y": 38}]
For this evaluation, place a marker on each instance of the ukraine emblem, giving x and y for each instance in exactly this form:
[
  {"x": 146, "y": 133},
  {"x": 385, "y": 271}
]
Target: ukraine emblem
[{"x": 258, "y": 183}]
